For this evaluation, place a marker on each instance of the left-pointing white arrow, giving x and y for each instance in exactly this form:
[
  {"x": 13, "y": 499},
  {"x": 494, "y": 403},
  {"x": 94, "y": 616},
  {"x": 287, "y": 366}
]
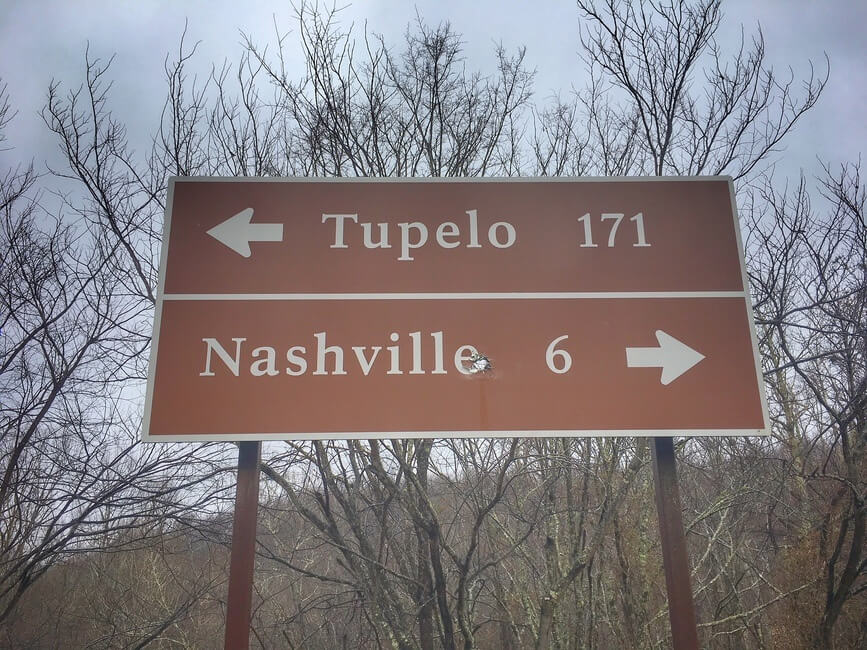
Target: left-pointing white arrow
[
  {"x": 237, "y": 232},
  {"x": 674, "y": 357}
]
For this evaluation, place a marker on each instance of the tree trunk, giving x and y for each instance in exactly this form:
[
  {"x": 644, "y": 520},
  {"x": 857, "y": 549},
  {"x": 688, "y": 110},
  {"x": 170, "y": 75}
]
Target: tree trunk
[{"x": 546, "y": 623}]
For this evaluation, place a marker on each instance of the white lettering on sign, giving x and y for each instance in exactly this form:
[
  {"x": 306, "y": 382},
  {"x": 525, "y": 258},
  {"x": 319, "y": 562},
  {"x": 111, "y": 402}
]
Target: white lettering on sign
[
  {"x": 558, "y": 361},
  {"x": 331, "y": 359},
  {"x": 237, "y": 232},
  {"x": 672, "y": 356},
  {"x": 463, "y": 356},
  {"x": 338, "y": 227},
  {"x": 615, "y": 218},
  {"x": 232, "y": 363},
  {"x": 413, "y": 235}
]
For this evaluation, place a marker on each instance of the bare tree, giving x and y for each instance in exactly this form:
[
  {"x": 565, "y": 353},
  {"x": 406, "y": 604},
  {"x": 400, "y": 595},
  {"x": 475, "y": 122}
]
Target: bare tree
[
  {"x": 447, "y": 543},
  {"x": 810, "y": 276},
  {"x": 73, "y": 332},
  {"x": 665, "y": 99}
]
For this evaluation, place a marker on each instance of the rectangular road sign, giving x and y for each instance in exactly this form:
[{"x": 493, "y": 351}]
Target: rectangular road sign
[{"x": 294, "y": 309}]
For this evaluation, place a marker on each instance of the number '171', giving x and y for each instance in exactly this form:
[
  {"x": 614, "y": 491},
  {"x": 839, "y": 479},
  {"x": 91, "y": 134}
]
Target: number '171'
[{"x": 614, "y": 219}]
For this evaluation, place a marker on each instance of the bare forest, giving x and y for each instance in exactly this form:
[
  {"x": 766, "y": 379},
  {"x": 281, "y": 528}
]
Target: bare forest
[{"x": 447, "y": 543}]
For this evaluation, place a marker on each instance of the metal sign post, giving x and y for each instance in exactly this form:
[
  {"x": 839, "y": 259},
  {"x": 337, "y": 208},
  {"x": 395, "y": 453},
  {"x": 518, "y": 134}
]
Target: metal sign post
[
  {"x": 243, "y": 558},
  {"x": 681, "y": 611}
]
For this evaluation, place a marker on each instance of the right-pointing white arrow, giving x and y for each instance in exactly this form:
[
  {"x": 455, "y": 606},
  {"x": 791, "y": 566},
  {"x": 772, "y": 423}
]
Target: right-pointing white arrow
[
  {"x": 237, "y": 232},
  {"x": 674, "y": 357}
]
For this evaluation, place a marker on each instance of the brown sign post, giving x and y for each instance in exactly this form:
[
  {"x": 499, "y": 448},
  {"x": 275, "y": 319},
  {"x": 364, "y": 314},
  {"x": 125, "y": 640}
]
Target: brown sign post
[
  {"x": 294, "y": 308},
  {"x": 243, "y": 555}
]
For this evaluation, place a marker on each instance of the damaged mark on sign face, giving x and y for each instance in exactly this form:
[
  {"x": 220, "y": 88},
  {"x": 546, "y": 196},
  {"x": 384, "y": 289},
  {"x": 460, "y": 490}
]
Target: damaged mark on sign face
[{"x": 478, "y": 364}]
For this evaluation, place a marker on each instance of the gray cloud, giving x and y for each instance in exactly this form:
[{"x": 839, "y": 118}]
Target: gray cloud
[{"x": 45, "y": 39}]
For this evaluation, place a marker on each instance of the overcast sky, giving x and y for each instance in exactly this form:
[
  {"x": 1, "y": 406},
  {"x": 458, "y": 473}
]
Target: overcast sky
[{"x": 45, "y": 39}]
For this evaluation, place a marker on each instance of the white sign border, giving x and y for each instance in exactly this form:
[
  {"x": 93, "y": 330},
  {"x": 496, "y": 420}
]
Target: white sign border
[{"x": 161, "y": 297}]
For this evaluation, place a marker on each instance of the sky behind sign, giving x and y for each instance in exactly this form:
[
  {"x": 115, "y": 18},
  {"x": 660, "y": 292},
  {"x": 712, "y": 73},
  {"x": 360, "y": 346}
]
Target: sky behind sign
[{"x": 46, "y": 39}]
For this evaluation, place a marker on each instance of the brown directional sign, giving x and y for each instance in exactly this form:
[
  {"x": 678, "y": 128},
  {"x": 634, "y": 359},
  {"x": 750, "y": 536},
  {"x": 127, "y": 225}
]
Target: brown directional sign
[{"x": 399, "y": 308}]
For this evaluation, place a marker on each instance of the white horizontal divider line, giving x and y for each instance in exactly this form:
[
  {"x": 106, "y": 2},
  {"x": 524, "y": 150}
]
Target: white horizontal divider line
[
  {"x": 451, "y": 433},
  {"x": 537, "y": 295}
]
